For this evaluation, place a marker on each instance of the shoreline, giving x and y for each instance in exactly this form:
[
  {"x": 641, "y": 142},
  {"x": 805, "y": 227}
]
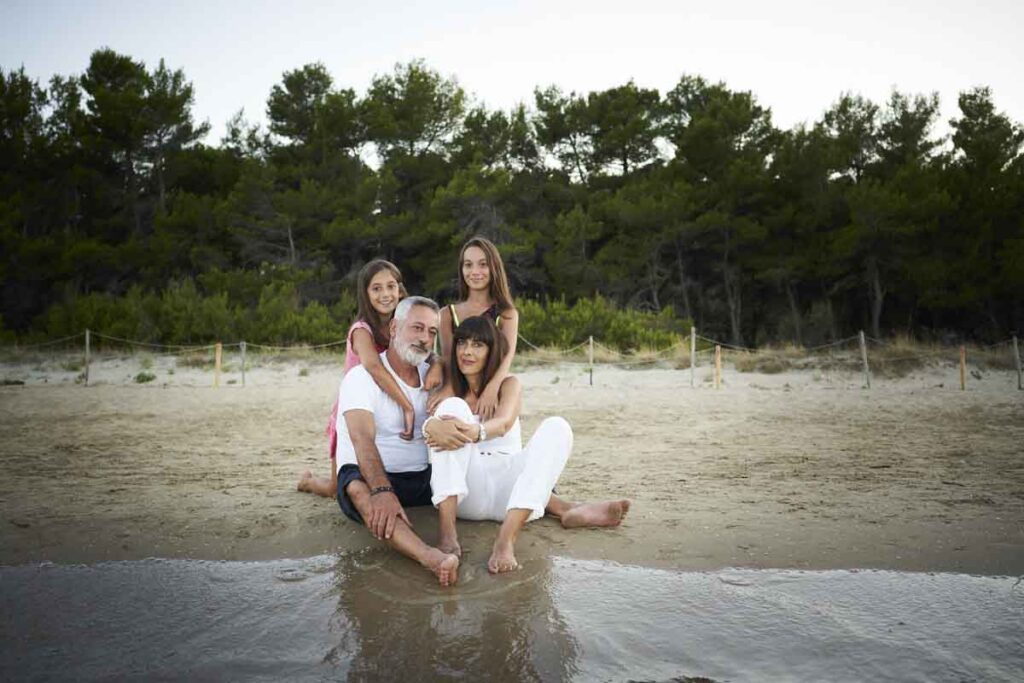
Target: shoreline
[{"x": 794, "y": 470}]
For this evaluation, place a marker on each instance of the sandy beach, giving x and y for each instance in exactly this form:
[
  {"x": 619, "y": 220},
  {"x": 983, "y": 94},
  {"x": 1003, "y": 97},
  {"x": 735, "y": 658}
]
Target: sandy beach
[{"x": 803, "y": 469}]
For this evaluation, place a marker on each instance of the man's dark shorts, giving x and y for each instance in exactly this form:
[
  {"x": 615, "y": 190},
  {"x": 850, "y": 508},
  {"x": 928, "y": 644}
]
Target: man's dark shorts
[{"x": 412, "y": 488}]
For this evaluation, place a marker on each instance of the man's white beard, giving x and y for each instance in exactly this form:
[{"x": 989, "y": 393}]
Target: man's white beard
[{"x": 410, "y": 354}]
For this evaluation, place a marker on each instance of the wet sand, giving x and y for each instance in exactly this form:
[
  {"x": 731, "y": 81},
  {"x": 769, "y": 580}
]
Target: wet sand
[{"x": 796, "y": 470}]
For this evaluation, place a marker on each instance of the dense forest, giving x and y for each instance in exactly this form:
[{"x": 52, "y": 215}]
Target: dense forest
[{"x": 688, "y": 204}]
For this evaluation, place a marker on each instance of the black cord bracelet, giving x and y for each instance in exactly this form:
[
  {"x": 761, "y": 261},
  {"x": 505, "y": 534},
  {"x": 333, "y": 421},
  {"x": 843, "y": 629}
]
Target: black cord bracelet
[{"x": 382, "y": 489}]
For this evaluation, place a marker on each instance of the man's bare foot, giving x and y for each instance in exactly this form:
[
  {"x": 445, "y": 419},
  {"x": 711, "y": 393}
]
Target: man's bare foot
[
  {"x": 306, "y": 482},
  {"x": 445, "y": 567},
  {"x": 607, "y": 513},
  {"x": 503, "y": 558},
  {"x": 449, "y": 545}
]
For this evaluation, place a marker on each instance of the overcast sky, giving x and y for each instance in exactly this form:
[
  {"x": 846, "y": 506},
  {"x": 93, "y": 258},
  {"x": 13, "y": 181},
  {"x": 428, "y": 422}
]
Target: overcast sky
[{"x": 796, "y": 56}]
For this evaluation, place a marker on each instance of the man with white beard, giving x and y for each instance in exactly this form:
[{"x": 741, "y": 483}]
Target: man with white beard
[{"x": 378, "y": 471}]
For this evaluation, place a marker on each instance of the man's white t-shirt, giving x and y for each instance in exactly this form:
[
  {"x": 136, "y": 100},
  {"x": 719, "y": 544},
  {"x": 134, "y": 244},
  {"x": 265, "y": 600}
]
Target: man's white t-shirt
[{"x": 359, "y": 392}]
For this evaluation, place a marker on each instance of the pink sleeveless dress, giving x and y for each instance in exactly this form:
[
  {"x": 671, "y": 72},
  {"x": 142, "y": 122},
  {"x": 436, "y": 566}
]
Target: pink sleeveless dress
[{"x": 351, "y": 360}]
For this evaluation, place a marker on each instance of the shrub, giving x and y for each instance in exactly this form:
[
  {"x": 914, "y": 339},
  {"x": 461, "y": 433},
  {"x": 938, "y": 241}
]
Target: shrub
[
  {"x": 144, "y": 377},
  {"x": 555, "y": 323}
]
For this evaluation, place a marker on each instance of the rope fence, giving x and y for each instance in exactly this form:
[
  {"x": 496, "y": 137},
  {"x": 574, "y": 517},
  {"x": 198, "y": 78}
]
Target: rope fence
[{"x": 886, "y": 356}]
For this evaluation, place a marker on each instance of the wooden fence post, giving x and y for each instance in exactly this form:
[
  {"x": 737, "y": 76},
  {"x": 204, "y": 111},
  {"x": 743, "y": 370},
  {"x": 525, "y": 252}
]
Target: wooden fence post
[
  {"x": 1016, "y": 358},
  {"x": 963, "y": 368},
  {"x": 864, "y": 359},
  {"x": 216, "y": 364},
  {"x": 87, "y": 339},
  {"x": 718, "y": 365},
  {"x": 693, "y": 354},
  {"x": 242, "y": 347},
  {"x": 590, "y": 357}
]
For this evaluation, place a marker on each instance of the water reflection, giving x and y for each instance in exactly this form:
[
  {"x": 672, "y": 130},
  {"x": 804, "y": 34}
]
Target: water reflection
[
  {"x": 374, "y": 616},
  {"x": 405, "y": 627}
]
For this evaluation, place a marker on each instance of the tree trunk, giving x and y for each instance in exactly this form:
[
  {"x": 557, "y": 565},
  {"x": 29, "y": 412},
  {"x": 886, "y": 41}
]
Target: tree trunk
[
  {"x": 731, "y": 280},
  {"x": 162, "y": 198},
  {"x": 831, "y": 318},
  {"x": 682, "y": 283},
  {"x": 733, "y": 297},
  {"x": 876, "y": 294},
  {"x": 795, "y": 312},
  {"x": 652, "y": 278},
  {"x": 133, "y": 194},
  {"x": 291, "y": 245}
]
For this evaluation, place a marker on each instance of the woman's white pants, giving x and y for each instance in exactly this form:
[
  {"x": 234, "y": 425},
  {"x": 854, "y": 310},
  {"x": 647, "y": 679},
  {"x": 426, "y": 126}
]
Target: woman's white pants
[{"x": 488, "y": 482}]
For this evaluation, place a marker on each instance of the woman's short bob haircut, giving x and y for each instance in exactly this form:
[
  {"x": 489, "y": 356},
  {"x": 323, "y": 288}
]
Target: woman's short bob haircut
[{"x": 478, "y": 328}]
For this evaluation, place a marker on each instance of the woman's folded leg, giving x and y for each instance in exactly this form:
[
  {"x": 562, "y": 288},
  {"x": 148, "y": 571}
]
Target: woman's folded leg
[{"x": 545, "y": 457}]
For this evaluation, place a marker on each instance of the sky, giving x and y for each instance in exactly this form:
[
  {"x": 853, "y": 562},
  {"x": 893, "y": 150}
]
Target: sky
[{"x": 796, "y": 56}]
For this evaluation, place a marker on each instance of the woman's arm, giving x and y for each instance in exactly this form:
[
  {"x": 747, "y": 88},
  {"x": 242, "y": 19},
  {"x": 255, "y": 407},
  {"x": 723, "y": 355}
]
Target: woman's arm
[
  {"x": 446, "y": 333},
  {"x": 489, "y": 396},
  {"x": 362, "y": 344},
  {"x": 435, "y": 375},
  {"x": 449, "y": 433},
  {"x": 510, "y": 398},
  {"x": 442, "y": 391}
]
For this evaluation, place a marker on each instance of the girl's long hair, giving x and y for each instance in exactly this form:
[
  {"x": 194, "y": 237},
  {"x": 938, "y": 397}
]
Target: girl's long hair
[
  {"x": 366, "y": 312},
  {"x": 498, "y": 285},
  {"x": 478, "y": 328}
]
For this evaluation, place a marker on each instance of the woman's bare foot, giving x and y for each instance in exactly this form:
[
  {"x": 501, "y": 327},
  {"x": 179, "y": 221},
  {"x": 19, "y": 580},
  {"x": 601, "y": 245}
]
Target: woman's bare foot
[
  {"x": 306, "y": 482},
  {"x": 449, "y": 545},
  {"x": 503, "y": 558},
  {"x": 607, "y": 513},
  {"x": 445, "y": 567}
]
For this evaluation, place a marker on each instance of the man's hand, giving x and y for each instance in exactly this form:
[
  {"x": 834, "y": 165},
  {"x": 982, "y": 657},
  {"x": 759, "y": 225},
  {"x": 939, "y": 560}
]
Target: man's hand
[
  {"x": 385, "y": 511},
  {"x": 449, "y": 433}
]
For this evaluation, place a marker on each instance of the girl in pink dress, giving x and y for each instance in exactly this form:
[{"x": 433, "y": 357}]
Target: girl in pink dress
[{"x": 380, "y": 289}]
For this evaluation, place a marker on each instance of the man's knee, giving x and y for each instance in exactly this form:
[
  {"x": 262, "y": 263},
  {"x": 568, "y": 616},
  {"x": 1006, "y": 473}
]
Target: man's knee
[{"x": 359, "y": 493}]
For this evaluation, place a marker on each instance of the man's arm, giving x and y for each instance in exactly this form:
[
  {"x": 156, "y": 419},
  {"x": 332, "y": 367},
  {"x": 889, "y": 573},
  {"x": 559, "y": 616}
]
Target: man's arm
[{"x": 385, "y": 509}]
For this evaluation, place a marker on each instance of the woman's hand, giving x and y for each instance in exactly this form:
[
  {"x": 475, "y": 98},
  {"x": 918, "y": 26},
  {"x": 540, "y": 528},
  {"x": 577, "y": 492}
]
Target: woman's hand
[
  {"x": 488, "y": 402},
  {"x": 448, "y": 433}
]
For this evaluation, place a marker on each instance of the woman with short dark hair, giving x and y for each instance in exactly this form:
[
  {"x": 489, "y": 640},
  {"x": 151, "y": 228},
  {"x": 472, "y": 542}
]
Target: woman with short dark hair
[{"x": 480, "y": 469}]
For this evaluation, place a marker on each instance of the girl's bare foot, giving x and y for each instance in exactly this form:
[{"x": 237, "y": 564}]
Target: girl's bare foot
[
  {"x": 503, "y": 558},
  {"x": 607, "y": 513},
  {"x": 306, "y": 482},
  {"x": 445, "y": 567}
]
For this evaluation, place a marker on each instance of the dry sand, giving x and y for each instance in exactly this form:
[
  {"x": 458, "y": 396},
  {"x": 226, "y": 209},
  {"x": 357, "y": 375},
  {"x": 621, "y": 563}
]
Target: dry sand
[{"x": 795, "y": 470}]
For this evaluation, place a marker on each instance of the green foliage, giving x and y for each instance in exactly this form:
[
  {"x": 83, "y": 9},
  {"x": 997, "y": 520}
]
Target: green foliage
[
  {"x": 182, "y": 315},
  {"x": 6, "y": 336},
  {"x": 413, "y": 110},
  {"x": 556, "y": 323},
  {"x": 144, "y": 377},
  {"x": 114, "y": 217}
]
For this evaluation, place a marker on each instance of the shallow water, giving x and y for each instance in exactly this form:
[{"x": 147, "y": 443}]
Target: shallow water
[{"x": 374, "y": 616}]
